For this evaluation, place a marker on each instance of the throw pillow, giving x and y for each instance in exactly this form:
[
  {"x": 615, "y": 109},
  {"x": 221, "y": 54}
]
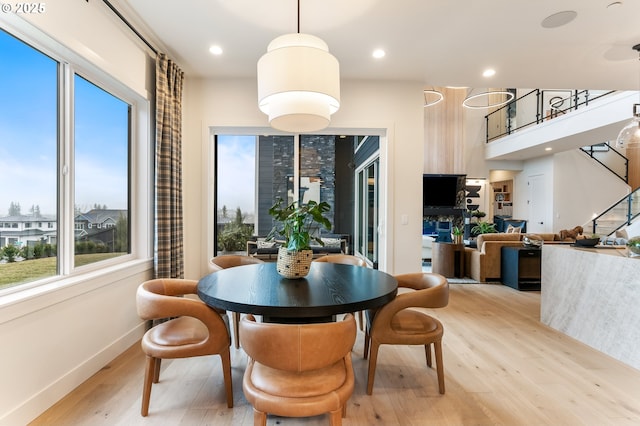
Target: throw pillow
[
  {"x": 265, "y": 244},
  {"x": 513, "y": 229},
  {"x": 331, "y": 242}
]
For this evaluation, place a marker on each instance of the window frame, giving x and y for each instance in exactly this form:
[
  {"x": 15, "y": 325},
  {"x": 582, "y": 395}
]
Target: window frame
[{"x": 140, "y": 170}]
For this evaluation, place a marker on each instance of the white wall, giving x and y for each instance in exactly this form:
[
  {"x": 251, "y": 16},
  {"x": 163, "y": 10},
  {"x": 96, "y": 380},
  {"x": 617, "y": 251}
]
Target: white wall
[
  {"x": 392, "y": 108},
  {"x": 56, "y": 336},
  {"x": 582, "y": 190},
  {"x": 578, "y": 188}
]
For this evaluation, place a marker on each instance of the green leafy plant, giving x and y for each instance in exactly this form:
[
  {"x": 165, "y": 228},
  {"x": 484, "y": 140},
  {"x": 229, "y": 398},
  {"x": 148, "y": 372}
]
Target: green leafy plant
[
  {"x": 298, "y": 224},
  {"x": 483, "y": 228},
  {"x": 10, "y": 252},
  {"x": 235, "y": 234},
  {"x": 456, "y": 230}
]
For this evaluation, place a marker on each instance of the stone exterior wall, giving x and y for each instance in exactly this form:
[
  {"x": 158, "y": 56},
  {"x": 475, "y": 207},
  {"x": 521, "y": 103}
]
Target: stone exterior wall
[{"x": 276, "y": 172}]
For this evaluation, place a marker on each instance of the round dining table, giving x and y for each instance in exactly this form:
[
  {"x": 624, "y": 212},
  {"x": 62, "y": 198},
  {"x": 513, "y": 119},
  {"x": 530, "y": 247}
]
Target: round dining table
[{"x": 328, "y": 290}]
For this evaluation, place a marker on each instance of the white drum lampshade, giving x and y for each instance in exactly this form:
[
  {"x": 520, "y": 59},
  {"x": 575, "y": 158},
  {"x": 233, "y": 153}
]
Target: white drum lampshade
[{"x": 298, "y": 83}]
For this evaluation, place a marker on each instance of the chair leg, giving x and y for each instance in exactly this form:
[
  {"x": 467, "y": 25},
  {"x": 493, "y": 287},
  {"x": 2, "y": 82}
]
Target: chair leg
[
  {"x": 156, "y": 370},
  {"x": 427, "y": 351},
  {"x": 236, "y": 323},
  {"x": 373, "y": 359},
  {"x": 361, "y": 320},
  {"x": 226, "y": 372},
  {"x": 259, "y": 418},
  {"x": 440, "y": 367},
  {"x": 367, "y": 341},
  {"x": 335, "y": 418},
  {"x": 146, "y": 388}
]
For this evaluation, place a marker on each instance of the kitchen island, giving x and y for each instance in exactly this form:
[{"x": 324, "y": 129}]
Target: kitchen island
[{"x": 593, "y": 295}]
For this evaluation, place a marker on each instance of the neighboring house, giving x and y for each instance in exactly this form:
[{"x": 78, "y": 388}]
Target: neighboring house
[
  {"x": 21, "y": 230},
  {"x": 98, "y": 224},
  {"x": 97, "y": 219}
]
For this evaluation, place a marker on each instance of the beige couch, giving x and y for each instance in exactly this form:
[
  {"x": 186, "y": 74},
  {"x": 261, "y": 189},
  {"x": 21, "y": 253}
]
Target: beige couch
[{"x": 483, "y": 262}]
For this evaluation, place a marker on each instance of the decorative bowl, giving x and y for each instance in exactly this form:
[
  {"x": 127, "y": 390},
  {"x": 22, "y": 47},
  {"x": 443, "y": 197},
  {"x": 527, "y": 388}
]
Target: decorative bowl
[
  {"x": 532, "y": 241},
  {"x": 634, "y": 245},
  {"x": 587, "y": 242}
]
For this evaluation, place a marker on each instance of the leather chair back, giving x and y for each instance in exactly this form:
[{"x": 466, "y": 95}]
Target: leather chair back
[
  {"x": 297, "y": 347},
  {"x": 298, "y": 370},
  {"x": 345, "y": 259},
  {"x": 226, "y": 261}
]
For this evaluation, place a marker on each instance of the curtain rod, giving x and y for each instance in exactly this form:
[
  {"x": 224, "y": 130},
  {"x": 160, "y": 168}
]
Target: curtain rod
[{"x": 128, "y": 24}]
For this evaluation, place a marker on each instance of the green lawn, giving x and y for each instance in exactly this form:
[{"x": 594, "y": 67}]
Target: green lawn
[{"x": 30, "y": 270}]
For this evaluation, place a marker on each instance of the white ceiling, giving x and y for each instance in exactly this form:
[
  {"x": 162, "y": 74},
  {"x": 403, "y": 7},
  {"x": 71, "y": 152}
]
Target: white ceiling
[{"x": 437, "y": 42}]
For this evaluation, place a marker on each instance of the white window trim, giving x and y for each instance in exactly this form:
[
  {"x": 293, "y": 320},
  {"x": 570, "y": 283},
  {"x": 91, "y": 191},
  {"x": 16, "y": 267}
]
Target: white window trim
[{"x": 140, "y": 184}]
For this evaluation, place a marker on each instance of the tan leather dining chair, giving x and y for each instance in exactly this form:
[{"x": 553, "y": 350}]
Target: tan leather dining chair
[
  {"x": 345, "y": 259},
  {"x": 194, "y": 330},
  {"x": 226, "y": 261},
  {"x": 298, "y": 370},
  {"x": 396, "y": 324}
]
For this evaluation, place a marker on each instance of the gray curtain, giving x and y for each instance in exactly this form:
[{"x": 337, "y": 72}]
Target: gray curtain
[{"x": 169, "y": 258}]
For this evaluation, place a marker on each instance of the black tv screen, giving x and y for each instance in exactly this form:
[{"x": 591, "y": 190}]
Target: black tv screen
[{"x": 439, "y": 190}]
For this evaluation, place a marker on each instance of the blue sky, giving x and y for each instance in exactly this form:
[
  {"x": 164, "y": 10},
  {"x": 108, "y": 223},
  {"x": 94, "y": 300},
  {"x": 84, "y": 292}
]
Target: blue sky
[
  {"x": 236, "y": 173},
  {"x": 28, "y": 135}
]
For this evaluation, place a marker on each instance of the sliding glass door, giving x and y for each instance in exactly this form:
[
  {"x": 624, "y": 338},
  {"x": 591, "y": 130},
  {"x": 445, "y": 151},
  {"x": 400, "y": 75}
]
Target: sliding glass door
[
  {"x": 367, "y": 211},
  {"x": 252, "y": 172}
]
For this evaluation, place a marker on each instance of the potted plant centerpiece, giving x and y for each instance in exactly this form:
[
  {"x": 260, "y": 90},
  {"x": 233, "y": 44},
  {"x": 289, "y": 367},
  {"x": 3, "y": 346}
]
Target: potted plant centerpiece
[{"x": 298, "y": 225}]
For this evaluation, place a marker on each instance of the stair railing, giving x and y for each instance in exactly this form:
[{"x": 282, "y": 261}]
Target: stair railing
[
  {"x": 632, "y": 211},
  {"x": 529, "y": 109},
  {"x": 592, "y": 150}
]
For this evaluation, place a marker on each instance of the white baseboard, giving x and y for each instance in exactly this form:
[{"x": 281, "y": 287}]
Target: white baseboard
[{"x": 43, "y": 400}]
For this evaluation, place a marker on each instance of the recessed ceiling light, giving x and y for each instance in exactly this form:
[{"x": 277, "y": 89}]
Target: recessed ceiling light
[
  {"x": 378, "y": 53},
  {"x": 489, "y": 73},
  {"x": 559, "y": 19},
  {"x": 215, "y": 50},
  {"x": 548, "y": 148}
]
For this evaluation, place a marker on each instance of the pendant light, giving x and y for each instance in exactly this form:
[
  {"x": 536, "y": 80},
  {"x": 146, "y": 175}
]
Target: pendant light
[
  {"x": 298, "y": 83},
  {"x": 630, "y": 134},
  {"x": 432, "y": 97},
  {"x": 471, "y": 101}
]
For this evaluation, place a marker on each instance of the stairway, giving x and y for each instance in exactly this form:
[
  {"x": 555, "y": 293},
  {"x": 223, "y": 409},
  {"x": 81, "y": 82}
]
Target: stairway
[{"x": 617, "y": 216}]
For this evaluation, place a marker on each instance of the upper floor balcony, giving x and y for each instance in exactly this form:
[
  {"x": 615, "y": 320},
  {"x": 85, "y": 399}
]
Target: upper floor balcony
[{"x": 542, "y": 122}]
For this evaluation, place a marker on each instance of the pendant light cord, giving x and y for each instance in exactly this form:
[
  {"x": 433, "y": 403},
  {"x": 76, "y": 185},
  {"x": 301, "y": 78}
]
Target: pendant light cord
[
  {"x": 298, "y": 16},
  {"x": 637, "y": 49}
]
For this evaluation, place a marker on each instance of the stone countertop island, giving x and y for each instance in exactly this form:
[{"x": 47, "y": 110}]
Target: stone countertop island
[{"x": 593, "y": 295}]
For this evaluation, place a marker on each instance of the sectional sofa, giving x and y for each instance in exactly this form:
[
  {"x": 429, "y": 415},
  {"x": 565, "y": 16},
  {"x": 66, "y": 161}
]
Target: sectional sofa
[{"x": 483, "y": 262}]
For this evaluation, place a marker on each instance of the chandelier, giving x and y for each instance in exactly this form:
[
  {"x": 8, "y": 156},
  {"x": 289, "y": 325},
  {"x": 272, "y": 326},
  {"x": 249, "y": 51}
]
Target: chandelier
[
  {"x": 298, "y": 83},
  {"x": 630, "y": 134}
]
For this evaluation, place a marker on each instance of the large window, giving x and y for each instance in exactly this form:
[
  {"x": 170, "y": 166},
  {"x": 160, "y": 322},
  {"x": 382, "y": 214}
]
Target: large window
[
  {"x": 252, "y": 172},
  {"x": 236, "y": 189},
  {"x": 65, "y": 147},
  {"x": 101, "y": 158}
]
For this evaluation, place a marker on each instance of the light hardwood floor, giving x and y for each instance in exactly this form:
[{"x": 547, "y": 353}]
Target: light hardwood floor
[{"x": 502, "y": 367}]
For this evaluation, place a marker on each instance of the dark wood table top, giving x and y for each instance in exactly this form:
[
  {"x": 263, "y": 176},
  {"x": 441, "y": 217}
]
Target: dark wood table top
[{"x": 329, "y": 289}]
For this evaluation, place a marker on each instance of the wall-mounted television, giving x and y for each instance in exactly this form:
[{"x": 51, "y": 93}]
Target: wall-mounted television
[{"x": 440, "y": 191}]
